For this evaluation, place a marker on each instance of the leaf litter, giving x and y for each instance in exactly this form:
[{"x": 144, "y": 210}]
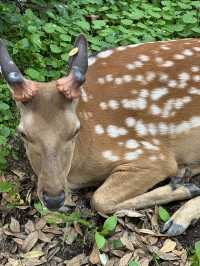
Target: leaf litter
[{"x": 26, "y": 239}]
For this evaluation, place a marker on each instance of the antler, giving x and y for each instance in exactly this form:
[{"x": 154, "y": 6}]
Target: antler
[
  {"x": 22, "y": 89},
  {"x": 78, "y": 64}
]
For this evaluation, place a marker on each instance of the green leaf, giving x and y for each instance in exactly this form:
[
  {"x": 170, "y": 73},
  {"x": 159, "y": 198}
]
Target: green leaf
[
  {"x": 110, "y": 224},
  {"x": 100, "y": 240},
  {"x": 133, "y": 263},
  {"x": 83, "y": 24},
  {"x": 189, "y": 18},
  {"x": 126, "y": 22},
  {"x": 3, "y": 141},
  {"x": 49, "y": 27},
  {"x": 163, "y": 214},
  {"x": 197, "y": 249},
  {"x": 55, "y": 49},
  {"x": 98, "y": 24},
  {"x": 34, "y": 74},
  {"x": 40, "y": 208},
  {"x": 65, "y": 38},
  {"x": 5, "y": 186},
  {"x": 4, "y": 106}
]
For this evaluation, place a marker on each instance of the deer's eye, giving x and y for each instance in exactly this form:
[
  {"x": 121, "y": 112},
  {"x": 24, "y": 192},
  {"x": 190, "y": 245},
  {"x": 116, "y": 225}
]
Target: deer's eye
[
  {"x": 76, "y": 132},
  {"x": 22, "y": 134}
]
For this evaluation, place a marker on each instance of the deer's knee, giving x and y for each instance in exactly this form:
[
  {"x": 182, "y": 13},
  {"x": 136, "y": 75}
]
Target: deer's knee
[{"x": 102, "y": 204}]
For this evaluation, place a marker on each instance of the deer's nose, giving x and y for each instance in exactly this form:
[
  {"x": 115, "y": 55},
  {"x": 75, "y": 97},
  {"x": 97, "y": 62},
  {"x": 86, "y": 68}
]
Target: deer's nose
[{"x": 54, "y": 203}]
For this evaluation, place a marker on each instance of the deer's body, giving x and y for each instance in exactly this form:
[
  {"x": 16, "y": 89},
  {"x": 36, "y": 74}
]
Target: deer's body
[{"x": 140, "y": 123}]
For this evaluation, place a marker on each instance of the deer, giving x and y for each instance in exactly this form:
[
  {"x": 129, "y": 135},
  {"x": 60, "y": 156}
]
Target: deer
[{"x": 122, "y": 121}]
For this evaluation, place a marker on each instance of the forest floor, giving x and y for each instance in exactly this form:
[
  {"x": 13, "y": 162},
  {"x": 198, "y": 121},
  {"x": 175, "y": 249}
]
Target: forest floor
[{"x": 32, "y": 236}]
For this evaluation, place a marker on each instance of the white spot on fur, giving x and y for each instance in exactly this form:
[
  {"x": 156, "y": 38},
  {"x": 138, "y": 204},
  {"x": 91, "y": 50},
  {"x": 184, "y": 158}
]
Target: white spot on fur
[
  {"x": 103, "y": 106},
  {"x": 113, "y": 104},
  {"x": 144, "y": 58},
  {"x": 163, "y": 77},
  {"x": 105, "y": 54},
  {"x": 184, "y": 77},
  {"x": 118, "y": 81},
  {"x": 197, "y": 49},
  {"x": 101, "y": 80},
  {"x": 179, "y": 57},
  {"x": 110, "y": 156},
  {"x": 144, "y": 93},
  {"x": 164, "y": 47},
  {"x": 159, "y": 60},
  {"x": 195, "y": 69},
  {"x": 99, "y": 129},
  {"x": 115, "y": 132},
  {"x": 163, "y": 128},
  {"x": 194, "y": 90},
  {"x": 187, "y": 52},
  {"x": 136, "y": 104},
  {"x": 133, "y": 155},
  {"x": 155, "y": 110},
  {"x": 127, "y": 78},
  {"x": 131, "y": 144},
  {"x": 196, "y": 78},
  {"x": 168, "y": 63},
  {"x": 172, "y": 83},
  {"x": 150, "y": 75},
  {"x": 140, "y": 128},
  {"x": 130, "y": 66},
  {"x": 109, "y": 78},
  {"x": 130, "y": 121},
  {"x": 157, "y": 93},
  {"x": 147, "y": 145},
  {"x": 152, "y": 129}
]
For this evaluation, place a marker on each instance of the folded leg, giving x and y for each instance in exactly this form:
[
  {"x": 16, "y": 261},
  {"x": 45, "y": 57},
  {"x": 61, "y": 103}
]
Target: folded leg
[
  {"x": 129, "y": 180},
  {"x": 183, "y": 217}
]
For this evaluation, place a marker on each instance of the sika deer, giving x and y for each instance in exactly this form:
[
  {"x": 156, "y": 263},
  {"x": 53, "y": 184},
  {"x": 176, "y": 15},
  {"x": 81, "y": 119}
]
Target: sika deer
[{"x": 135, "y": 122}]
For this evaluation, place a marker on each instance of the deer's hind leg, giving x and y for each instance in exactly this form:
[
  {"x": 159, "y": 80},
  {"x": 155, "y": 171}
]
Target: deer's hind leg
[{"x": 126, "y": 186}]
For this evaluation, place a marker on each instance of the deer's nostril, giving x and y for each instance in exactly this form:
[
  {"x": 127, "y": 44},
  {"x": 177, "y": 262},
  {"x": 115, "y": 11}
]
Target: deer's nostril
[{"x": 53, "y": 202}]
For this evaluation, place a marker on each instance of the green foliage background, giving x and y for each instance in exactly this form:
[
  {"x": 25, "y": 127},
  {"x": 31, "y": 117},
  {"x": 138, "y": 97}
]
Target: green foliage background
[{"x": 39, "y": 39}]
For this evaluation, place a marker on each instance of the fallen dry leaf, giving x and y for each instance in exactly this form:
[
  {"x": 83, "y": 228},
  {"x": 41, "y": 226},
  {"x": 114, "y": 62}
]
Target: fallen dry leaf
[
  {"x": 129, "y": 213},
  {"x": 168, "y": 246},
  {"x": 94, "y": 256},
  {"x": 149, "y": 232},
  {"x": 30, "y": 241},
  {"x": 33, "y": 254},
  {"x": 126, "y": 241},
  {"x": 162, "y": 255},
  {"x": 29, "y": 227},
  {"x": 14, "y": 225},
  {"x": 44, "y": 237},
  {"x": 76, "y": 261},
  {"x": 40, "y": 224},
  {"x": 125, "y": 259}
]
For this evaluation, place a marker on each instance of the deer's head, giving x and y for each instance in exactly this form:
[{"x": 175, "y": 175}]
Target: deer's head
[{"x": 48, "y": 125}]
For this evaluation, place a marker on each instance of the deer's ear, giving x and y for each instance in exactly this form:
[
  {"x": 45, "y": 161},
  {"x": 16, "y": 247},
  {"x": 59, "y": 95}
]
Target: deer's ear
[{"x": 78, "y": 63}]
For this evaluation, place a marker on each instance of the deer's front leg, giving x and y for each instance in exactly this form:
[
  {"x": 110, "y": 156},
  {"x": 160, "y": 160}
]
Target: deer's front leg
[
  {"x": 132, "y": 179},
  {"x": 182, "y": 218}
]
